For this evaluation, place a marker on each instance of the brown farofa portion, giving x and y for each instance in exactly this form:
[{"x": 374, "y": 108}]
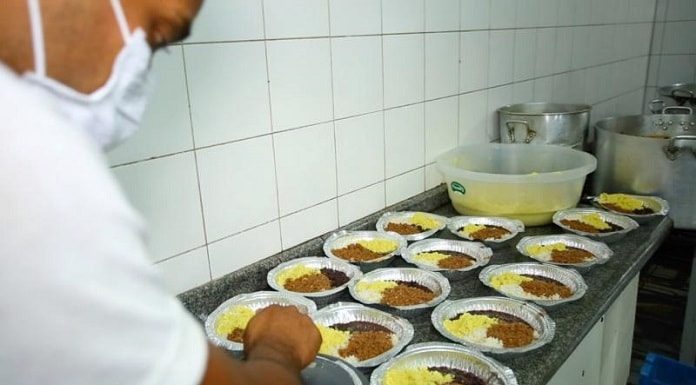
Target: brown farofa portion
[
  {"x": 641, "y": 211},
  {"x": 237, "y": 335},
  {"x": 578, "y": 225},
  {"x": 310, "y": 283},
  {"x": 490, "y": 232},
  {"x": 356, "y": 253},
  {"x": 455, "y": 260},
  {"x": 403, "y": 228},
  {"x": 571, "y": 255},
  {"x": 545, "y": 287},
  {"x": 407, "y": 294},
  {"x": 326, "y": 279},
  {"x": 367, "y": 340},
  {"x": 513, "y": 331}
]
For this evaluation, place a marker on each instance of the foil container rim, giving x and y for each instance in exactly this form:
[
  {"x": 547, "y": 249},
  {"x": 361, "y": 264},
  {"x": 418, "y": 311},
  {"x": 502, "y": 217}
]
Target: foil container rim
[
  {"x": 404, "y": 339},
  {"x": 664, "y": 206},
  {"x": 508, "y": 376},
  {"x": 385, "y": 219},
  {"x": 545, "y": 336},
  {"x": 367, "y": 233},
  {"x": 354, "y": 272},
  {"x": 408, "y": 254},
  {"x": 515, "y": 226},
  {"x": 628, "y": 223},
  {"x": 209, "y": 324},
  {"x": 582, "y": 287},
  {"x": 441, "y": 280},
  {"x": 600, "y": 250}
]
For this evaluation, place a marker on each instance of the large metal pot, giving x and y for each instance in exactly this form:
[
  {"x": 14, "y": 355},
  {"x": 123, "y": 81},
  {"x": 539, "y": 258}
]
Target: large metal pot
[
  {"x": 544, "y": 123},
  {"x": 650, "y": 155}
]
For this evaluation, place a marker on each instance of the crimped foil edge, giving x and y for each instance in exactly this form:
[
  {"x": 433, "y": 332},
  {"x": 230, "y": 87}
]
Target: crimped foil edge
[
  {"x": 514, "y": 226},
  {"x": 337, "y": 240},
  {"x": 600, "y": 250},
  {"x": 352, "y": 271},
  {"x": 388, "y": 217},
  {"x": 626, "y": 222},
  {"x": 664, "y": 206}
]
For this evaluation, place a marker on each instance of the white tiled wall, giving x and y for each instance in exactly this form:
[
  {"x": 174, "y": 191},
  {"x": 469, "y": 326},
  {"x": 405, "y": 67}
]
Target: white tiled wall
[
  {"x": 277, "y": 120},
  {"x": 673, "y": 50}
]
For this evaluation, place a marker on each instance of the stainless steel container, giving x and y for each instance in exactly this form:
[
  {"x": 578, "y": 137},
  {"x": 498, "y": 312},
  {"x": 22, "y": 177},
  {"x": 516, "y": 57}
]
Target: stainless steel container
[
  {"x": 650, "y": 155},
  {"x": 544, "y": 123}
]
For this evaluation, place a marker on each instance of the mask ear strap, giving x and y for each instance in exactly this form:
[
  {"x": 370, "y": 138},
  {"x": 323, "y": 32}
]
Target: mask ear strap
[
  {"x": 37, "y": 37},
  {"x": 121, "y": 19}
]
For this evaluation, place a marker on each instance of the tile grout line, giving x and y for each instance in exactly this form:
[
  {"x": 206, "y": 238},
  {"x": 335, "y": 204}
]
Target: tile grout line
[
  {"x": 384, "y": 104},
  {"x": 272, "y": 133},
  {"x": 333, "y": 111},
  {"x": 425, "y": 121},
  {"x": 195, "y": 161}
]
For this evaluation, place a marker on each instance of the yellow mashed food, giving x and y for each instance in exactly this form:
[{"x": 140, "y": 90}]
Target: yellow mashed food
[
  {"x": 424, "y": 221},
  {"x": 235, "y": 318},
  {"x": 595, "y": 220},
  {"x": 472, "y": 228},
  {"x": 416, "y": 376},
  {"x": 505, "y": 279},
  {"x": 382, "y": 246},
  {"x": 295, "y": 272},
  {"x": 537, "y": 249},
  {"x": 430, "y": 257},
  {"x": 467, "y": 324},
  {"x": 332, "y": 340},
  {"x": 375, "y": 286},
  {"x": 625, "y": 202}
]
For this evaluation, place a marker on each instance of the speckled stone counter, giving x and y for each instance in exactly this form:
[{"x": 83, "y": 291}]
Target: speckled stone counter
[{"x": 573, "y": 320}]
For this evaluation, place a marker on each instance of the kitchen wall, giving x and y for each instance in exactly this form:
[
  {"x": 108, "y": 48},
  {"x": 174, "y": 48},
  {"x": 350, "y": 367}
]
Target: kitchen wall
[
  {"x": 673, "y": 50},
  {"x": 279, "y": 120}
]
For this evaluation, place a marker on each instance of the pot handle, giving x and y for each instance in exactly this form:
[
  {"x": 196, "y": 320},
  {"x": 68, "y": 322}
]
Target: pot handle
[
  {"x": 673, "y": 149},
  {"x": 677, "y": 108},
  {"x": 656, "y": 106},
  {"x": 511, "y": 130}
]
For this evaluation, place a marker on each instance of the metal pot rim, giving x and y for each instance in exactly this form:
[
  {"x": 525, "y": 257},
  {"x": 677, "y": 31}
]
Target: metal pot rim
[{"x": 572, "y": 109}]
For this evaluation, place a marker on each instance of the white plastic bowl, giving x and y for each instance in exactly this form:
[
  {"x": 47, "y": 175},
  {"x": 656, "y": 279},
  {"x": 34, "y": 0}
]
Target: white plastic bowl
[{"x": 529, "y": 182}]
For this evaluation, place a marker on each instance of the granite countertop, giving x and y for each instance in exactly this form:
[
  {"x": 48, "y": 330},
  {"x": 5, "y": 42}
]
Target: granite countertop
[{"x": 573, "y": 320}]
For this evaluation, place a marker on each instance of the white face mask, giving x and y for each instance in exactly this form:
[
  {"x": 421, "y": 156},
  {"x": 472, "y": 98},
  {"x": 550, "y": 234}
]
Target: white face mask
[{"x": 114, "y": 111}]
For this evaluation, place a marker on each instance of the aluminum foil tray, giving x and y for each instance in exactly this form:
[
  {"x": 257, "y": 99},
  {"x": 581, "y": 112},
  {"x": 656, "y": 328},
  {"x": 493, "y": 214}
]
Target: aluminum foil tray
[
  {"x": 432, "y": 280},
  {"x": 437, "y": 354},
  {"x": 568, "y": 277},
  {"x": 344, "y": 312},
  {"x": 512, "y": 225},
  {"x": 344, "y": 238},
  {"x": 601, "y": 251},
  {"x": 256, "y": 301},
  {"x": 478, "y": 251},
  {"x": 535, "y": 316},
  {"x": 659, "y": 205},
  {"x": 627, "y": 223},
  {"x": 403, "y": 217},
  {"x": 351, "y": 271}
]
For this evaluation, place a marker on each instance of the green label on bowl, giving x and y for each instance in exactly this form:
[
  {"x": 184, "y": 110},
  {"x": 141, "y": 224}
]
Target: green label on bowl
[{"x": 457, "y": 187}]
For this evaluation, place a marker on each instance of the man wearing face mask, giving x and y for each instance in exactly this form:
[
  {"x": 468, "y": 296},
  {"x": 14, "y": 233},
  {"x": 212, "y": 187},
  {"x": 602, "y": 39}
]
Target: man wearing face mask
[{"x": 80, "y": 303}]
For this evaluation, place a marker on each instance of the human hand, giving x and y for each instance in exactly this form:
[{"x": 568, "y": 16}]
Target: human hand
[{"x": 282, "y": 334}]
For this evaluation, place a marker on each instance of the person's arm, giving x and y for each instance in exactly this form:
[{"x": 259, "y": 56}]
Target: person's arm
[{"x": 279, "y": 343}]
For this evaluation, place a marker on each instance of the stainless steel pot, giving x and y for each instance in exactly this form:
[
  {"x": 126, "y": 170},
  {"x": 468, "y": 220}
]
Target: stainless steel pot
[
  {"x": 544, "y": 123},
  {"x": 650, "y": 155}
]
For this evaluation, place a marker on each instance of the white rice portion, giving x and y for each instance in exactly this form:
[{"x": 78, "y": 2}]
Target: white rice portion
[{"x": 371, "y": 295}]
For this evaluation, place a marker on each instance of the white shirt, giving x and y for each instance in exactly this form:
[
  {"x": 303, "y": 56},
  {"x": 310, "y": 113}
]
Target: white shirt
[{"x": 80, "y": 304}]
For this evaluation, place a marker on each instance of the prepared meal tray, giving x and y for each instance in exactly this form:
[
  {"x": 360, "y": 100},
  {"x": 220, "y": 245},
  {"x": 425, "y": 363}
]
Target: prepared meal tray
[
  {"x": 363, "y": 336},
  {"x": 594, "y": 223},
  {"x": 225, "y": 326},
  {"x": 447, "y": 255},
  {"x": 367, "y": 249},
  {"x": 494, "y": 324},
  {"x": 565, "y": 250},
  {"x": 313, "y": 276},
  {"x": 493, "y": 231},
  {"x": 436, "y": 363},
  {"x": 639, "y": 207},
  {"x": 412, "y": 225},
  {"x": 408, "y": 290},
  {"x": 544, "y": 284}
]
